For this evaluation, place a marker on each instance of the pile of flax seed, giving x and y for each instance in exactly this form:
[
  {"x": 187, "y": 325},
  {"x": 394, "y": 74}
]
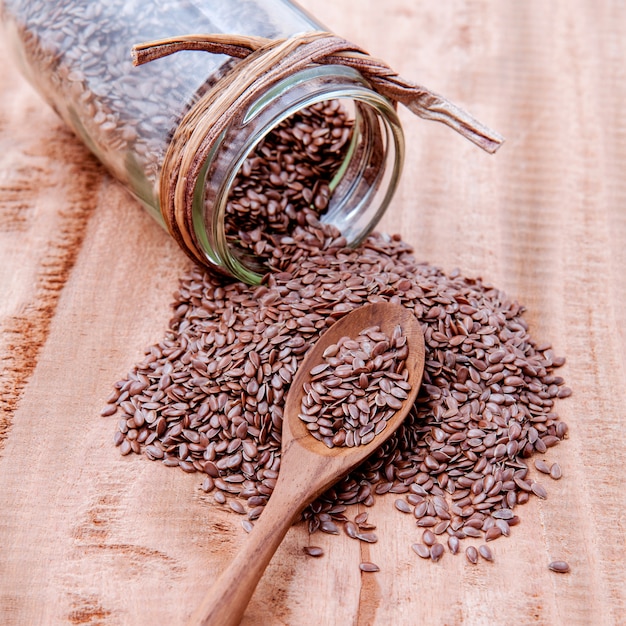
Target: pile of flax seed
[{"x": 208, "y": 398}]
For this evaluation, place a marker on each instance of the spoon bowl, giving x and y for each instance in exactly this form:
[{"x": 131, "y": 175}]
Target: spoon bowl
[{"x": 308, "y": 466}]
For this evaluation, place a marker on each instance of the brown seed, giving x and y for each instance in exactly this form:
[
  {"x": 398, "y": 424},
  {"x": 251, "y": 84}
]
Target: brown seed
[
  {"x": 421, "y": 509},
  {"x": 561, "y": 430},
  {"x": 485, "y": 552},
  {"x": 237, "y": 507},
  {"x": 555, "y": 471},
  {"x": 542, "y": 466},
  {"x": 453, "y": 544},
  {"x": 208, "y": 484},
  {"x": 436, "y": 552},
  {"x": 470, "y": 531},
  {"x": 361, "y": 518},
  {"x": 403, "y": 505},
  {"x": 255, "y": 512},
  {"x": 493, "y": 533},
  {"x": 428, "y": 537},
  {"x": 108, "y": 410},
  {"x": 539, "y": 490},
  {"x": 522, "y": 484},
  {"x": 351, "y": 529},
  {"x": 314, "y": 551},
  {"x": 504, "y": 527},
  {"x": 421, "y": 550},
  {"x": 505, "y": 514},
  {"x": 125, "y": 447},
  {"x": 471, "y": 554},
  {"x": 328, "y": 526},
  {"x": 561, "y": 567},
  {"x": 366, "y": 566}
]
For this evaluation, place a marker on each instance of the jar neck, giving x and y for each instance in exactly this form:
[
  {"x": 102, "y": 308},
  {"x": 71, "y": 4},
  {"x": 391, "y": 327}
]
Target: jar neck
[{"x": 361, "y": 190}]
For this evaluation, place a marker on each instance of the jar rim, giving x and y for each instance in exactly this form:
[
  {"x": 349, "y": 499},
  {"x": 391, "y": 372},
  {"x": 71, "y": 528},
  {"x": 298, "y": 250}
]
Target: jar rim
[{"x": 280, "y": 101}]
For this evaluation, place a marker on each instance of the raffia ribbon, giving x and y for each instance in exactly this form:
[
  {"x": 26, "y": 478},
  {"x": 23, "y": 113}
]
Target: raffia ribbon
[{"x": 263, "y": 63}]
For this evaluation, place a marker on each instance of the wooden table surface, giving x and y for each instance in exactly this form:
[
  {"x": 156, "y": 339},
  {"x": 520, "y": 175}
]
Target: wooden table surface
[{"x": 86, "y": 278}]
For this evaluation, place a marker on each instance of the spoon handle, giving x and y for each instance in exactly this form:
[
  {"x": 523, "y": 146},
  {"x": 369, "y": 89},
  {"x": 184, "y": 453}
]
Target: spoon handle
[{"x": 227, "y": 599}]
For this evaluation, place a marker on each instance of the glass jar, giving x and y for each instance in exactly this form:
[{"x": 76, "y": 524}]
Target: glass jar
[
  {"x": 150, "y": 125},
  {"x": 360, "y": 192}
]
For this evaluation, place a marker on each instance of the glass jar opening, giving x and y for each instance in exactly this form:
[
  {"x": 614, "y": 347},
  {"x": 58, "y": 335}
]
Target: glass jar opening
[{"x": 319, "y": 144}]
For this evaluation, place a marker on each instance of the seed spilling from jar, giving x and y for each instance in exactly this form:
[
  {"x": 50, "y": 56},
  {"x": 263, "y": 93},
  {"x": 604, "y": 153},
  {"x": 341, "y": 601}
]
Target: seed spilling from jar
[
  {"x": 209, "y": 396},
  {"x": 357, "y": 388}
]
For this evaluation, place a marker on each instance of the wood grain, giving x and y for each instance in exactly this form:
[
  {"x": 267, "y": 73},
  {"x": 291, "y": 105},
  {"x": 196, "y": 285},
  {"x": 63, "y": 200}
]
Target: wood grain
[{"x": 89, "y": 537}]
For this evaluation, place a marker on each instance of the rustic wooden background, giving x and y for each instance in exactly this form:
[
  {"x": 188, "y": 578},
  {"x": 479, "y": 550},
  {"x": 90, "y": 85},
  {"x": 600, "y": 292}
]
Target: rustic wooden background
[{"x": 86, "y": 279}]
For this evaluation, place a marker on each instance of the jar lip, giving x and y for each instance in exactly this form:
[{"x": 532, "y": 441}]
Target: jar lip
[{"x": 280, "y": 101}]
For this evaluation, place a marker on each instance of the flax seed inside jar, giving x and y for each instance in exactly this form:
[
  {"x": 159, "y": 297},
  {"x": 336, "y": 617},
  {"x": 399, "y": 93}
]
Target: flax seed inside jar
[{"x": 286, "y": 183}]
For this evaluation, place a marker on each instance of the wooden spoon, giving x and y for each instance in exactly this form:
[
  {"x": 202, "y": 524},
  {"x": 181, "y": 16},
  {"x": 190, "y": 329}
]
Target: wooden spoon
[{"x": 308, "y": 467}]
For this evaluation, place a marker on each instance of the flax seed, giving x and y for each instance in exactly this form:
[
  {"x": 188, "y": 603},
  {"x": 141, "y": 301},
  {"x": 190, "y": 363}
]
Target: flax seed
[
  {"x": 471, "y": 554},
  {"x": 560, "y": 567},
  {"x": 366, "y": 566},
  {"x": 314, "y": 551},
  {"x": 421, "y": 550}
]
